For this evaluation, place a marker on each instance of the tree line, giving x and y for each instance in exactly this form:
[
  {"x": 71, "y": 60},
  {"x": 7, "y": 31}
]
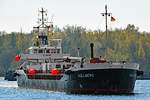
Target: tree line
[{"x": 126, "y": 44}]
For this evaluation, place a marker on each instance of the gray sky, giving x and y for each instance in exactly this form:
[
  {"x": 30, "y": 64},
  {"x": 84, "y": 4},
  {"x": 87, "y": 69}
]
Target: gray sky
[{"x": 23, "y": 13}]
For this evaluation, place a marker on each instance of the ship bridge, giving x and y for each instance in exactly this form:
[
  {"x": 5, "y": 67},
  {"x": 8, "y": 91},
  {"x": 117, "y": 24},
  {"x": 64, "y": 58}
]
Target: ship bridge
[{"x": 54, "y": 48}]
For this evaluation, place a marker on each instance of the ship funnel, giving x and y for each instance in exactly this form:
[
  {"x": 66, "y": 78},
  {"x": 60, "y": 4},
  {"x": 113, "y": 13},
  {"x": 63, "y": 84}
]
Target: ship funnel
[{"x": 92, "y": 53}]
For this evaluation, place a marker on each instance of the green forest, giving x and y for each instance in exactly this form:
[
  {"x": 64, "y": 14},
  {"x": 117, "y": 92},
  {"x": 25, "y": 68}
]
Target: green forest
[{"x": 126, "y": 44}]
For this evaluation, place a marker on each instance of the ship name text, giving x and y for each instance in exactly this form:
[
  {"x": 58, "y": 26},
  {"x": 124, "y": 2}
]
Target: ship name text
[{"x": 85, "y": 75}]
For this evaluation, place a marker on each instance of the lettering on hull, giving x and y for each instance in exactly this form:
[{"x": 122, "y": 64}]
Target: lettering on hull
[{"x": 85, "y": 75}]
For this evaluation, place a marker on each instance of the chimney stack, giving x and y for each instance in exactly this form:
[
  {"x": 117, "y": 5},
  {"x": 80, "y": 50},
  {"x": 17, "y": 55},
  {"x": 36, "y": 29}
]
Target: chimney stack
[{"x": 92, "y": 53}]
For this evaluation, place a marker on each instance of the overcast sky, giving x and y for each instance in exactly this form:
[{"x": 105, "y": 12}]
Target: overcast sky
[{"x": 15, "y": 14}]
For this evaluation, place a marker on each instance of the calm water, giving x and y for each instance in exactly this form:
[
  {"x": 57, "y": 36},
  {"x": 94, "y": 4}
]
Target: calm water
[{"x": 10, "y": 91}]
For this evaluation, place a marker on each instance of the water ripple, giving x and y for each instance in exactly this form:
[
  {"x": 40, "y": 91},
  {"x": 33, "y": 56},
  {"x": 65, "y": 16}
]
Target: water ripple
[{"x": 10, "y": 91}]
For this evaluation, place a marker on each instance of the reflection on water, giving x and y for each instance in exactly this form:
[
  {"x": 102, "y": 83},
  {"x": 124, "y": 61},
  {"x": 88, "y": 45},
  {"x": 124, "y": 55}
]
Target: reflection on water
[{"x": 10, "y": 91}]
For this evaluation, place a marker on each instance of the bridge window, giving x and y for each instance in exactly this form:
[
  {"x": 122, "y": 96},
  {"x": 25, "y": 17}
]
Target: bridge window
[
  {"x": 58, "y": 50},
  {"x": 48, "y": 51},
  {"x": 58, "y": 66},
  {"x": 53, "y": 51},
  {"x": 41, "y": 51},
  {"x": 35, "y": 50}
]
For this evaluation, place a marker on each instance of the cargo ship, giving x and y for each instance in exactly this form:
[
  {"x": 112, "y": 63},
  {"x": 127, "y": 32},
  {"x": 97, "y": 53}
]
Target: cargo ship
[{"x": 46, "y": 67}]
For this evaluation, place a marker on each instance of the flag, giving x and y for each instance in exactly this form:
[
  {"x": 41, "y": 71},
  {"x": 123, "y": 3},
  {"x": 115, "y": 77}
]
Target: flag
[{"x": 113, "y": 19}]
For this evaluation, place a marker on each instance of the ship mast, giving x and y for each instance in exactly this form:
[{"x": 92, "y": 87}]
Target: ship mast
[
  {"x": 106, "y": 14},
  {"x": 43, "y": 24},
  {"x": 42, "y": 12}
]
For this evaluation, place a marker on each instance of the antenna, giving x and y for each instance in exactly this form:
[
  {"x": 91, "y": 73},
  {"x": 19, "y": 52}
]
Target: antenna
[
  {"x": 106, "y": 14},
  {"x": 43, "y": 26},
  {"x": 42, "y": 12}
]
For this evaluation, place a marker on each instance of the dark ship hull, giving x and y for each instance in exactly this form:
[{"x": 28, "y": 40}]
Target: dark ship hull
[
  {"x": 97, "y": 81},
  {"x": 102, "y": 81}
]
